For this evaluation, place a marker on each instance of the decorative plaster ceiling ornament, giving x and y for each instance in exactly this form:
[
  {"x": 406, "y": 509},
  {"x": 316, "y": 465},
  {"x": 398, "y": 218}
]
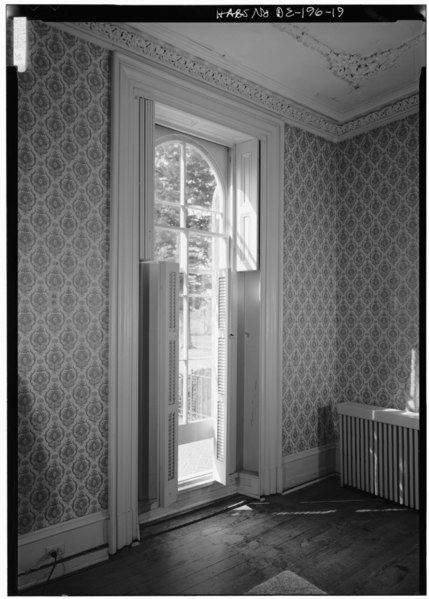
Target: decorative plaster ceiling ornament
[
  {"x": 119, "y": 36},
  {"x": 351, "y": 68}
]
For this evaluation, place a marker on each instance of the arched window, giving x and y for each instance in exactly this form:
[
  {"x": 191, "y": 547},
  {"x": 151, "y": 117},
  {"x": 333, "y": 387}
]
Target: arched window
[
  {"x": 189, "y": 194},
  {"x": 190, "y": 229}
]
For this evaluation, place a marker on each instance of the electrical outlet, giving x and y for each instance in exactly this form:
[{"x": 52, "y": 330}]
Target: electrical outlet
[{"x": 59, "y": 550}]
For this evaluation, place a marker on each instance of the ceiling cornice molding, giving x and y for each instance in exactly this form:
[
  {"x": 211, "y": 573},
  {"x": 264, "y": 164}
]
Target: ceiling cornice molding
[
  {"x": 118, "y": 36},
  {"x": 382, "y": 116}
]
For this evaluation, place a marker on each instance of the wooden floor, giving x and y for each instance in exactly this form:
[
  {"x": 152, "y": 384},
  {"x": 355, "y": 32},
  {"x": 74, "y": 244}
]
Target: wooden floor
[{"x": 343, "y": 541}]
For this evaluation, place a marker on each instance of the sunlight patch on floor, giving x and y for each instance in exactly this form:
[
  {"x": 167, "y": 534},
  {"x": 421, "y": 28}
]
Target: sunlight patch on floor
[
  {"x": 388, "y": 509},
  {"x": 195, "y": 459},
  {"x": 335, "y": 501},
  {"x": 322, "y": 512}
]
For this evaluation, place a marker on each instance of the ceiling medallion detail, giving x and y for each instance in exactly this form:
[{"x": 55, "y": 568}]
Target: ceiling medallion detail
[
  {"x": 351, "y": 68},
  {"x": 162, "y": 53}
]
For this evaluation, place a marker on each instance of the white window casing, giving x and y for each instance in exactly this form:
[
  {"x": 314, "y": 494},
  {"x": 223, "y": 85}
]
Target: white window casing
[{"x": 137, "y": 85}]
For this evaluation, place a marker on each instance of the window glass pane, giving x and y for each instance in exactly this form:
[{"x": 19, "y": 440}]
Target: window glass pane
[
  {"x": 201, "y": 183},
  {"x": 167, "y": 215},
  {"x": 203, "y": 220},
  {"x": 199, "y": 284},
  {"x": 166, "y": 245},
  {"x": 199, "y": 328},
  {"x": 200, "y": 252},
  {"x": 199, "y": 393},
  {"x": 200, "y": 319},
  {"x": 167, "y": 171},
  {"x": 199, "y": 219}
]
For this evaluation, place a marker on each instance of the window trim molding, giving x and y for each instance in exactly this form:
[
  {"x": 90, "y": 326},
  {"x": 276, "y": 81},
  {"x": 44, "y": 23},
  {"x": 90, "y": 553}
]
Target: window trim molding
[{"x": 132, "y": 80}]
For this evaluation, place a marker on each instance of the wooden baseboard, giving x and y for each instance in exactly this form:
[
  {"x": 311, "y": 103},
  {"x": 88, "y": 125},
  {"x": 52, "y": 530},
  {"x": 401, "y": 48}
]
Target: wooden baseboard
[
  {"x": 303, "y": 467},
  {"x": 82, "y": 542}
]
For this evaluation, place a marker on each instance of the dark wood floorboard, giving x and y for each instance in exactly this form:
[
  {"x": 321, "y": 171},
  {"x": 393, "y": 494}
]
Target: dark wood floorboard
[{"x": 342, "y": 540}]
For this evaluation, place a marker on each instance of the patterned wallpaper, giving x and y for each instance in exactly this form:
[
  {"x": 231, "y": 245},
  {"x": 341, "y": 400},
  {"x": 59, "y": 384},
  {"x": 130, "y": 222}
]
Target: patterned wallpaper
[
  {"x": 350, "y": 283},
  {"x": 350, "y": 277},
  {"x": 377, "y": 264},
  {"x": 63, "y": 120},
  {"x": 309, "y": 297}
]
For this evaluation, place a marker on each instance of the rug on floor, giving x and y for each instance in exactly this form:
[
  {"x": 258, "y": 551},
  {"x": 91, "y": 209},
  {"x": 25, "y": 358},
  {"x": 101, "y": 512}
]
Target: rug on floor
[{"x": 285, "y": 583}]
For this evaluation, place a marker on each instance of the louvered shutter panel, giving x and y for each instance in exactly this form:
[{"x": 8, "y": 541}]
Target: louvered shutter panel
[
  {"x": 168, "y": 373},
  {"x": 221, "y": 377},
  {"x": 247, "y": 203}
]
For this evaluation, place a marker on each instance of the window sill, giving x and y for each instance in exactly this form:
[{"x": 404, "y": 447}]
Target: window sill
[{"x": 196, "y": 482}]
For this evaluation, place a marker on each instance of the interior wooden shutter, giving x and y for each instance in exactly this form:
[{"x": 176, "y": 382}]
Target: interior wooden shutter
[
  {"x": 247, "y": 205},
  {"x": 220, "y": 469},
  {"x": 168, "y": 376}
]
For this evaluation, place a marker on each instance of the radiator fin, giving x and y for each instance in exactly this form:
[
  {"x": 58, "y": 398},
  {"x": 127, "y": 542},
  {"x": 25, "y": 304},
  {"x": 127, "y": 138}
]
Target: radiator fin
[{"x": 380, "y": 458}]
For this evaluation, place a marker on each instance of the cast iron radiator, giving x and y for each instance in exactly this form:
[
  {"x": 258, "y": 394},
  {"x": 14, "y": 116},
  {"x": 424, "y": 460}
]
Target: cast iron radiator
[{"x": 379, "y": 452}]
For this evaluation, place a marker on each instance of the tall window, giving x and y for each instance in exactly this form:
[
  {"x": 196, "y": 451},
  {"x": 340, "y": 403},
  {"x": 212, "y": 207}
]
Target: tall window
[{"x": 190, "y": 229}]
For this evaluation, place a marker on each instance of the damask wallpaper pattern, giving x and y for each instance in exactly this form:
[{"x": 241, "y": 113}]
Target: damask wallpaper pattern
[
  {"x": 350, "y": 253},
  {"x": 309, "y": 291},
  {"x": 378, "y": 264},
  {"x": 63, "y": 246}
]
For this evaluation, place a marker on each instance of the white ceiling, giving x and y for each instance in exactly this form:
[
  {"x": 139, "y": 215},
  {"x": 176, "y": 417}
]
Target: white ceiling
[{"x": 341, "y": 70}]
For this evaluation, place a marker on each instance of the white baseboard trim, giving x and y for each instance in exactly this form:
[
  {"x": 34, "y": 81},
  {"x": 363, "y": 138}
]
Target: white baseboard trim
[
  {"x": 303, "y": 467},
  {"x": 82, "y": 540},
  {"x": 72, "y": 564}
]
